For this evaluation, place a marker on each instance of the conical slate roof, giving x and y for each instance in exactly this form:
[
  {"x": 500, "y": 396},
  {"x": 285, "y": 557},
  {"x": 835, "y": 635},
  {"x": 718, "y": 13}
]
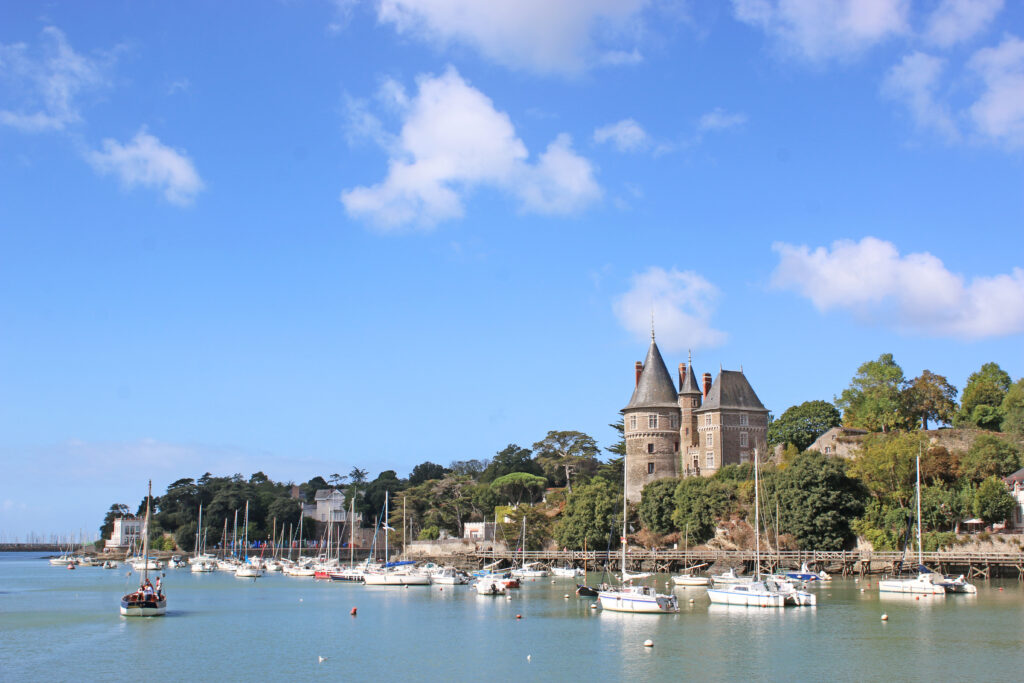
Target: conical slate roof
[
  {"x": 731, "y": 390},
  {"x": 690, "y": 385},
  {"x": 655, "y": 388}
]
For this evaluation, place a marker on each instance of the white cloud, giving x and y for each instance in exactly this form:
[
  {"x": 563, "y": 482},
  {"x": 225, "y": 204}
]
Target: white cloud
[
  {"x": 823, "y": 29},
  {"x": 719, "y": 119},
  {"x": 627, "y": 135},
  {"x": 453, "y": 140},
  {"x": 682, "y": 304},
  {"x": 48, "y": 86},
  {"x": 915, "y": 293},
  {"x": 621, "y": 58},
  {"x": 539, "y": 35},
  {"x": 955, "y": 21},
  {"x": 148, "y": 162},
  {"x": 999, "y": 112},
  {"x": 913, "y": 82}
]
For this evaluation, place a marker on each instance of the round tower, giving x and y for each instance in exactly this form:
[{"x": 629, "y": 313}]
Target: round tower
[
  {"x": 689, "y": 402},
  {"x": 651, "y": 426}
]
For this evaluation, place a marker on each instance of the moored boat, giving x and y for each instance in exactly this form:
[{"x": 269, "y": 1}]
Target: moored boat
[{"x": 146, "y": 601}]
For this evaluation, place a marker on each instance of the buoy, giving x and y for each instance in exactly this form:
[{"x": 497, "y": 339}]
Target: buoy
[
  {"x": 1000, "y": 588},
  {"x": 648, "y": 643},
  {"x": 527, "y": 657},
  {"x": 353, "y": 612},
  {"x": 861, "y": 590},
  {"x": 594, "y": 606},
  {"x": 552, "y": 580},
  {"x": 691, "y": 601},
  {"x": 508, "y": 597},
  {"x": 519, "y": 616},
  {"x": 321, "y": 659},
  {"x": 917, "y": 597},
  {"x": 885, "y": 617},
  {"x": 566, "y": 596}
]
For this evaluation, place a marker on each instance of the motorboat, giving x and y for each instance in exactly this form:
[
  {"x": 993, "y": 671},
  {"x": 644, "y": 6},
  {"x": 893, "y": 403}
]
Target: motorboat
[
  {"x": 954, "y": 585},
  {"x": 197, "y": 566},
  {"x": 639, "y": 599},
  {"x": 532, "y": 570},
  {"x": 349, "y": 574},
  {"x": 450, "y": 576},
  {"x": 486, "y": 586},
  {"x": 567, "y": 572},
  {"x": 748, "y": 594},
  {"x": 805, "y": 574}
]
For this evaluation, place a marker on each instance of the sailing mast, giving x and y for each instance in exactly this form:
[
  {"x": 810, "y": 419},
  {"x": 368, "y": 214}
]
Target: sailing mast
[
  {"x": 623, "y": 539},
  {"x": 920, "y": 557},
  {"x": 352, "y": 533},
  {"x": 145, "y": 538},
  {"x": 757, "y": 523}
]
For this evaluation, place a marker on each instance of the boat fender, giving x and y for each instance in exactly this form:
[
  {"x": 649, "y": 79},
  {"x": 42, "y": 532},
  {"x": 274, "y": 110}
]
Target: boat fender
[{"x": 354, "y": 611}]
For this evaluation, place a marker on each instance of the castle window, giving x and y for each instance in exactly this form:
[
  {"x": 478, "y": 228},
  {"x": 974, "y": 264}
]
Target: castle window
[
  {"x": 687, "y": 431},
  {"x": 652, "y": 421},
  {"x": 828, "y": 450},
  {"x": 676, "y": 447},
  {"x": 650, "y": 468},
  {"x": 743, "y": 419},
  {"x": 710, "y": 438},
  {"x": 744, "y": 456},
  {"x": 632, "y": 422},
  {"x": 710, "y": 459},
  {"x": 674, "y": 421},
  {"x": 696, "y": 402},
  {"x": 707, "y": 420},
  {"x": 650, "y": 448},
  {"x": 743, "y": 440}
]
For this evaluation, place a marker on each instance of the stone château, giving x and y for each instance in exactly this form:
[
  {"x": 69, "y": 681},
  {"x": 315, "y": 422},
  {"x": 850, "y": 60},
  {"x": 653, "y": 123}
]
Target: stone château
[{"x": 690, "y": 431}]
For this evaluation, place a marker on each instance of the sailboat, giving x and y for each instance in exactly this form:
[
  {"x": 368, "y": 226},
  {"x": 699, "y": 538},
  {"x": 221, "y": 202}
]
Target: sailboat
[
  {"x": 630, "y": 598},
  {"x": 201, "y": 562},
  {"x": 688, "y": 578},
  {"x": 248, "y": 569},
  {"x": 387, "y": 576},
  {"x": 145, "y": 602},
  {"x": 529, "y": 570},
  {"x": 757, "y": 592},
  {"x": 923, "y": 583}
]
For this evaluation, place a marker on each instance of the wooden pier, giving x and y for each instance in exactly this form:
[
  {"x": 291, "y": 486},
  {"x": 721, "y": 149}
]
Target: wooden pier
[{"x": 845, "y": 562}]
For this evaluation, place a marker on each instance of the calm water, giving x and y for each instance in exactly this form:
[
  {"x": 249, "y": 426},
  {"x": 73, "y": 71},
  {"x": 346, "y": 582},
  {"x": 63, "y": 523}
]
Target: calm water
[{"x": 57, "y": 624}]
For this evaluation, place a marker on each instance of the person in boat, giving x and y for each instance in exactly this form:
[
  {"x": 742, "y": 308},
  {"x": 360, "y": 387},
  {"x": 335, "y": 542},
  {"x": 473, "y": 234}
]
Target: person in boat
[{"x": 158, "y": 586}]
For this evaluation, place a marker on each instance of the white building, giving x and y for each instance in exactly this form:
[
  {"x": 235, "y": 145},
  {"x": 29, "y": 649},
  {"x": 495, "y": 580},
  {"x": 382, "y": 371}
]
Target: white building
[
  {"x": 1015, "y": 482},
  {"x": 329, "y": 506},
  {"x": 478, "y": 531},
  {"x": 127, "y": 530}
]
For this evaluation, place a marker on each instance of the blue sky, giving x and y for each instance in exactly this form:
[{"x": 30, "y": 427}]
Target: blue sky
[{"x": 303, "y": 236}]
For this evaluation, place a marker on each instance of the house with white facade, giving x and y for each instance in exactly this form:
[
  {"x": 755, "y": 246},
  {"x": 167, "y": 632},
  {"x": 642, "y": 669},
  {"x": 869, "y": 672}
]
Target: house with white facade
[{"x": 127, "y": 530}]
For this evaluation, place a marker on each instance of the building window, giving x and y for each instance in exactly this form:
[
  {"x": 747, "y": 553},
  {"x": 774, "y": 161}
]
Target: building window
[
  {"x": 676, "y": 447},
  {"x": 744, "y": 456},
  {"x": 632, "y": 422},
  {"x": 710, "y": 438},
  {"x": 743, "y": 420},
  {"x": 652, "y": 421},
  {"x": 696, "y": 402},
  {"x": 710, "y": 459},
  {"x": 743, "y": 440},
  {"x": 650, "y": 448},
  {"x": 828, "y": 450},
  {"x": 650, "y": 468},
  {"x": 674, "y": 421},
  {"x": 707, "y": 420}
]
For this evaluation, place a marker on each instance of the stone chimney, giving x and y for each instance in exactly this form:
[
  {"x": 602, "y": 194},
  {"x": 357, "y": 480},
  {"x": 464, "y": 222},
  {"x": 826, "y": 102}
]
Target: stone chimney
[
  {"x": 707, "y": 384},
  {"x": 639, "y": 369},
  {"x": 682, "y": 375}
]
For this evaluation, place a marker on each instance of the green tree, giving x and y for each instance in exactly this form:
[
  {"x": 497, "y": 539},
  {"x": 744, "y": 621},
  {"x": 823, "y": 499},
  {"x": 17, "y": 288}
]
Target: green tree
[
  {"x": 511, "y": 459},
  {"x": 426, "y": 471},
  {"x": 699, "y": 504},
  {"x": 588, "y": 515},
  {"x": 983, "y": 397},
  {"x": 564, "y": 455},
  {"x": 929, "y": 397},
  {"x": 886, "y": 465},
  {"x": 469, "y": 468},
  {"x": 657, "y": 503},
  {"x": 872, "y": 400},
  {"x": 993, "y": 503},
  {"x": 1012, "y": 409},
  {"x": 938, "y": 510},
  {"x": 116, "y": 510},
  {"x": 387, "y": 483},
  {"x": 538, "y": 527},
  {"x": 990, "y": 456},
  {"x": 818, "y": 501},
  {"x": 517, "y": 486},
  {"x": 801, "y": 425}
]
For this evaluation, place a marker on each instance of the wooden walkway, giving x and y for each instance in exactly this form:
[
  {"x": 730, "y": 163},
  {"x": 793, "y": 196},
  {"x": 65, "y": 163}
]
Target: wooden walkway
[{"x": 849, "y": 562}]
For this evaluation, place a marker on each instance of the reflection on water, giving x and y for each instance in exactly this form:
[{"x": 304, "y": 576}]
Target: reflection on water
[{"x": 278, "y": 627}]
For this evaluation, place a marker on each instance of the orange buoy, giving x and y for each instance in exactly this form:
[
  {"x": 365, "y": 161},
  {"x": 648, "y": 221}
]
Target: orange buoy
[
  {"x": 353, "y": 612},
  {"x": 519, "y": 616}
]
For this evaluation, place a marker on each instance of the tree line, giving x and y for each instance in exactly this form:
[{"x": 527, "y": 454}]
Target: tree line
[{"x": 570, "y": 493}]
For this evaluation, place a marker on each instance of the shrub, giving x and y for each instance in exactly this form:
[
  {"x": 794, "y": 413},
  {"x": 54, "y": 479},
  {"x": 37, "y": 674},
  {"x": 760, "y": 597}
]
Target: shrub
[{"x": 430, "y": 533}]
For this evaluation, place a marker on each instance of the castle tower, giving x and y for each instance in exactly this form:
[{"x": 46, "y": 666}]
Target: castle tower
[
  {"x": 651, "y": 426},
  {"x": 731, "y": 422},
  {"x": 689, "y": 402}
]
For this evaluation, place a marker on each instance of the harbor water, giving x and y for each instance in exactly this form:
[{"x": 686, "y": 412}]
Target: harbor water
[{"x": 58, "y": 625}]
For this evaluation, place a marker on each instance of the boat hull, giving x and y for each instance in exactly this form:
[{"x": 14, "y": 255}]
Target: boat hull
[
  {"x": 614, "y": 601},
  {"x": 131, "y": 607},
  {"x": 720, "y": 597},
  {"x": 911, "y": 586},
  {"x": 396, "y": 580},
  {"x": 688, "y": 580}
]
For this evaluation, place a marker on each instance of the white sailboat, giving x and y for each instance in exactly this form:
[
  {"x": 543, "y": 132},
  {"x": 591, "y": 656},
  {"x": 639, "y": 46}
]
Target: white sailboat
[
  {"x": 630, "y": 598},
  {"x": 248, "y": 569},
  {"x": 388, "y": 575},
  {"x": 923, "y": 583},
  {"x": 755, "y": 592},
  {"x": 145, "y": 602}
]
